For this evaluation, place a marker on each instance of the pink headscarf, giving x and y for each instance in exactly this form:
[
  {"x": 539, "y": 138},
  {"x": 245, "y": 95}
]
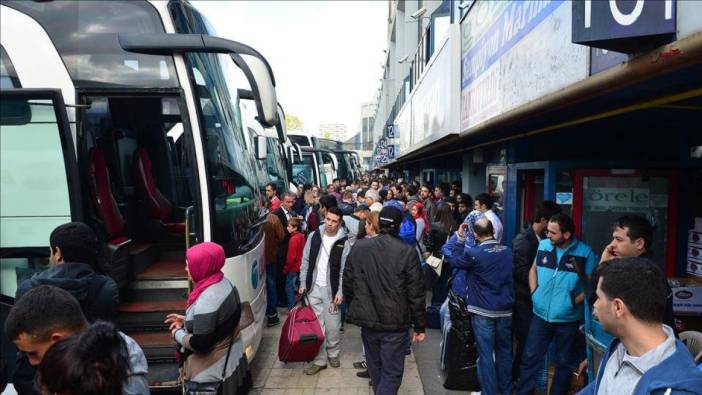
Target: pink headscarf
[{"x": 205, "y": 262}]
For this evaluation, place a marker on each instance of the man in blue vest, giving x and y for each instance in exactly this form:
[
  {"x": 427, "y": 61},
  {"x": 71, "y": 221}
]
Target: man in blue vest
[
  {"x": 321, "y": 274},
  {"x": 556, "y": 280}
]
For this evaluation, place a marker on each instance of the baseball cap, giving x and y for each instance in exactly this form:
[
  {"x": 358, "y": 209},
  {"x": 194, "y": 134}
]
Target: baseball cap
[
  {"x": 390, "y": 217},
  {"x": 361, "y": 207}
]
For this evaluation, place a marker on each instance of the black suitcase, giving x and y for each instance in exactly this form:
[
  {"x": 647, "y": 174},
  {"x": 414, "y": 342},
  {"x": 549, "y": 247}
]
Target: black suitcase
[{"x": 459, "y": 352}]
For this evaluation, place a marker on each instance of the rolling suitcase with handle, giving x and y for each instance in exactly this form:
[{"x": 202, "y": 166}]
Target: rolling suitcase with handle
[{"x": 301, "y": 336}]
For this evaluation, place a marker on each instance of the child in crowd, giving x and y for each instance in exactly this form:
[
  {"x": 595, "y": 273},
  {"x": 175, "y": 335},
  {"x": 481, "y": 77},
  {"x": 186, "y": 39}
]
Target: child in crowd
[{"x": 293, "y": 260}]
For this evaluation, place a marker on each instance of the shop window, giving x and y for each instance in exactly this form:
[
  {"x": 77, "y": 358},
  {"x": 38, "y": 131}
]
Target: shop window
[
  {"x": 496, "y": 183},
  {"x": 606, "y": 198},
  {"x": 564, "y": 191}
]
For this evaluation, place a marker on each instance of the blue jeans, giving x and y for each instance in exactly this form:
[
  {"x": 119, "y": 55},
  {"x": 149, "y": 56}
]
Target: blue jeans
[
  {"x": 494, "y": 335},
  {"x": 291, "y": 286},
  {"x": 564, "y": 336},
  {"x": 385, "y": 356},
  {"x": 271, "y": 289}
]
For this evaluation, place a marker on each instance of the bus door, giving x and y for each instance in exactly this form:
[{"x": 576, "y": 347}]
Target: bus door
[{"x": 39, "y": 188}]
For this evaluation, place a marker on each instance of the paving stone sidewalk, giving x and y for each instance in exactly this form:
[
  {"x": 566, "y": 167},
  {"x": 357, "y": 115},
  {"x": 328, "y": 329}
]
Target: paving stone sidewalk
[{"x": 272, "y": 377}]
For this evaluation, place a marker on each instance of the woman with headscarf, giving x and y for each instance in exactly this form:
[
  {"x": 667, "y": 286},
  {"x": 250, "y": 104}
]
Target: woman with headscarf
[{"x": 208, "y": 334}]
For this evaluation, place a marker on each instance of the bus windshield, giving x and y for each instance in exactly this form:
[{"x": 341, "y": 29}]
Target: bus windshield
[
  {"x": 274, "y": 163},
  {"x": 231, "y": 170},
  {"x": 84, "y": 35},
  {"x": 303, "y": 173}
]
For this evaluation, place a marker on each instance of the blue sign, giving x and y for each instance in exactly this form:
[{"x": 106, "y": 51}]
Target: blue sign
[
  {"x": 602, "y": 59},
  {"x": 391, "y": 152},
  {"x": 516, "y": 21},
  {"x": 564, "y": 198},
  {"x": 624, "y": 26},
  {"x": 390, "y": 131}
]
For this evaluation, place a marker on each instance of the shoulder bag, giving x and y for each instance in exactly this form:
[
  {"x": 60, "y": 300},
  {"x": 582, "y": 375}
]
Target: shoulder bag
[
  {"x": 213, "y": 388},
  {"x": 435, "y": 262}
]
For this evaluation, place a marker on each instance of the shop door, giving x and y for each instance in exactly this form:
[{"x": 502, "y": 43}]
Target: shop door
[
  {"x": 603, "y": 196},
  {"x": 496, "y": 182},
  {"x": 530, "y": 194}
]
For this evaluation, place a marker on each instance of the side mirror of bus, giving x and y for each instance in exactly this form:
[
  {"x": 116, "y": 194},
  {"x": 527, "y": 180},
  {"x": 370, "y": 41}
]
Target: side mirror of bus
[
  {"x": 282, "y": 129},
  {"x": 261, "y": 148},
  {"x": 334, "y": 162},
  {"x": 255, "y": 67},
  {"x": 298, "y": 150},
  {"x": 262, "y": 85}
]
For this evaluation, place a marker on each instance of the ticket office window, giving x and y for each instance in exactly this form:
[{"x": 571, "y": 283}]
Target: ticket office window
[{"x": 602, "y": 198}]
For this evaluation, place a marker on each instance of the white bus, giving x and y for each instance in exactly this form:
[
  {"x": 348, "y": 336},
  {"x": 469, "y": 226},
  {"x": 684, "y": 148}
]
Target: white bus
[
  {"x": 276, "y": 153},
  {"x": 124, "y": 115}
]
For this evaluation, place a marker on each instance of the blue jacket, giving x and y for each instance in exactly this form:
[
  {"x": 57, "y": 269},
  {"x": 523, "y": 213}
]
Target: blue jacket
[
  {"x": 677, "y": 373},
  {"x": 558, "y": 283},
  {"x": 489, "y": 287}
]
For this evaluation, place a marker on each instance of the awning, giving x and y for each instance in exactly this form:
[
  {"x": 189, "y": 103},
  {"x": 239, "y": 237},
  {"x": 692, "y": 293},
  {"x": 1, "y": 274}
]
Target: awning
[{"x": 663, "y": 77}]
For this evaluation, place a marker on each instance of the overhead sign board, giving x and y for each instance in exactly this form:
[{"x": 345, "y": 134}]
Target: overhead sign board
[
  {"x": 498, "y": 36},
  {"x": 626, "y": 26}
]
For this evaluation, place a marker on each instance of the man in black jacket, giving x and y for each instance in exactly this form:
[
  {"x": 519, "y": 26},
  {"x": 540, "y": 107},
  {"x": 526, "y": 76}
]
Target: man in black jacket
[
  {"x": 524, "y": 248},
  {"x": 74, "y": 261},
  {"x": 383, "y": 284}
]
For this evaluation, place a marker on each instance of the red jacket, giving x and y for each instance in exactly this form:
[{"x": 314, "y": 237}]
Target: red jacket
[
  {"x": 295, "y": 248},
  {"x": 275, "y": 203}
]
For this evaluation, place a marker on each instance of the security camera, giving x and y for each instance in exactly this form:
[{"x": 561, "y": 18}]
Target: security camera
[{"x": 417, "y": 14}]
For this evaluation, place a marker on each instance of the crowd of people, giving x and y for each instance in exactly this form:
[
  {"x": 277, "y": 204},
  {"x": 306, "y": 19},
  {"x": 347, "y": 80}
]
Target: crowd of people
[
  {"x": 368, "y": 259},
  {"x": 366, "y": 254}
]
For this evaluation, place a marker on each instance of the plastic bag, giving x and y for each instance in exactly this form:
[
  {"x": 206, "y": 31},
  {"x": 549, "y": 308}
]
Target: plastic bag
[{"x": 460, "y": 352}]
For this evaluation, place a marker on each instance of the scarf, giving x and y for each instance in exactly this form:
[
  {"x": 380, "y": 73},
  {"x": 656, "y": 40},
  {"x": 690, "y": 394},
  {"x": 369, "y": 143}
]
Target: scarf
[{"x": 205, "y": 262}]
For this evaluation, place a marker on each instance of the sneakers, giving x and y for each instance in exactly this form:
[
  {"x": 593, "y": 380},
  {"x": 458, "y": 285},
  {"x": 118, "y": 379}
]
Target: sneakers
[
  {"x": 272, "y": 321},
  {"x": 334, "y": 362},
  {"x": 363, "y": 374},
  {"x": 314, "y": 369},
  {"x": 360, "y": 365}
]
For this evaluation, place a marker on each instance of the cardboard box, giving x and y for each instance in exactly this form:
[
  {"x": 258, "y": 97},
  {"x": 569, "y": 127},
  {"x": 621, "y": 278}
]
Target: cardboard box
[
  {"x": 694, "y": 267},
  {"x": 694, "y": 237},
  {"x": 687, "y": 296},
  {"x": 694, "y": 251}
]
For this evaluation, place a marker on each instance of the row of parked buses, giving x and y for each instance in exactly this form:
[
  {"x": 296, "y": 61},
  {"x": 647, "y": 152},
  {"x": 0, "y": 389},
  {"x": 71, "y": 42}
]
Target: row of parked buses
[
  {"x": 126, "y": 115},
  {"x": 323, "y": 161}
]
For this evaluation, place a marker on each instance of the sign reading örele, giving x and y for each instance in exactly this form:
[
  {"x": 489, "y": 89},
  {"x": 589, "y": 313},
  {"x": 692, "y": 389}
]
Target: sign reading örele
[{"x": 624, "y": 25}]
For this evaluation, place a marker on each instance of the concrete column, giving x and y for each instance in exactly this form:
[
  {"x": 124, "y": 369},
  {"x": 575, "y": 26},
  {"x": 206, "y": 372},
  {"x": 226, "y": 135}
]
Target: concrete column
[{"x": 473, "y": 175}]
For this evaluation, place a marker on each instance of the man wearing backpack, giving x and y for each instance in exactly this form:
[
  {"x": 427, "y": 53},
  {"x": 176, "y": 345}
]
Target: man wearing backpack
[{"x": 74, "y": 268}]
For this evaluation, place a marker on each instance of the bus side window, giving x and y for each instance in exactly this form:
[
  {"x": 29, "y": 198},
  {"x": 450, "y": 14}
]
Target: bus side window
[
  {"x": 8, "y": 76},
  {"x": 34, "y": 196}
]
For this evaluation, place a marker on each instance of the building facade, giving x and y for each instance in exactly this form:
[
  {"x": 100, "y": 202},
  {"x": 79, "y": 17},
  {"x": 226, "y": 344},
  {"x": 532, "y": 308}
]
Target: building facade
[
  {"x": 598, "y": 109},
  {"x": 332, "y": 131}
]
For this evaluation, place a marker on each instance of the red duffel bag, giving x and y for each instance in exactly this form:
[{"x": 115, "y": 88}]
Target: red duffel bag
[{"x": 301, "y": 336}]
